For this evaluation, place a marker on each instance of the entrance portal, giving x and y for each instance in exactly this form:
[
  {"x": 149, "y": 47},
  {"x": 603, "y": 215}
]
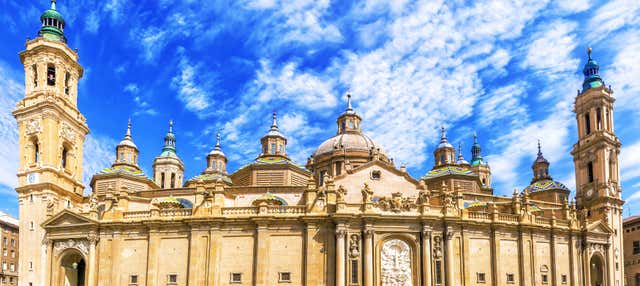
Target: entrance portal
[
  {"x": 597, "y": 271},
  {"x": 72, "y": 270}
]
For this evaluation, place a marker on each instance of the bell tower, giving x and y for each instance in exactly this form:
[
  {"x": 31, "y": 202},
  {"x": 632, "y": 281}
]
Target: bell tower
[
  {"x": 51, "y": 132},
  {"x": 595, "y": 157}
]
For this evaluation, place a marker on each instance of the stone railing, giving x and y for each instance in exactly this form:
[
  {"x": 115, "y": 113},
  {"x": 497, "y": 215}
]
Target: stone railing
[
  {"x": 286, "y": 209},
  {"x": 239, "y": 211},
  {"x": 136, "y": 214},
  {"x": 509, "y": 217},
  {"x": 175, "y": 212},
  {"x": 479, "y": 215},
  {"x": 543, "y": 221}
]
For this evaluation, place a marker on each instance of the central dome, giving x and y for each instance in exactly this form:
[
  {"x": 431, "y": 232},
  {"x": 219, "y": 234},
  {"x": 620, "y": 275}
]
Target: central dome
[{"x": 347, "y": 142}]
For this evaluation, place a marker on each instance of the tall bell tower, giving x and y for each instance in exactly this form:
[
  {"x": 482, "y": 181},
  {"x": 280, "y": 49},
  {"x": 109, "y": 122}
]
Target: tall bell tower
[
  {"x": 595, "y": 156},
  {"x": 51, "y": 132}
]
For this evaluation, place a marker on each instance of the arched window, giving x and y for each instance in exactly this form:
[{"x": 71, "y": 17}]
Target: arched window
[
  {"x": 36, "y": 151},
  {"x": 590, "y": 172},
  {"x": 442, "y": 159},
  {"x": 162, "y": 180},
  {"x": 51, "y": 75},
  {"x": 173, "y": 180},
  {"x": 65, "y": 153},
  {"x": 587, "y": 123},
  {"x": 273, "y": 148}
]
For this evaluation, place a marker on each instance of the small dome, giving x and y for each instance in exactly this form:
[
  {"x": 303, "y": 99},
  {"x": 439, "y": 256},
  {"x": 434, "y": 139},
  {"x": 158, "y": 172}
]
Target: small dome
[
  {"x": 52, "y": 14},
  {"x": 348, "y": 142},
  {"x": 217, "y": 150},
  {"x": 127, "y": 142}
]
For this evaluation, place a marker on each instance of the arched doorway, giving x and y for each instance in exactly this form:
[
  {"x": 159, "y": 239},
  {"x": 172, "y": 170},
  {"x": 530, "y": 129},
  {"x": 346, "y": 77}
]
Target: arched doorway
[
  {"x": 596, "y": 269},
  {"x": 72, "y": 270}
]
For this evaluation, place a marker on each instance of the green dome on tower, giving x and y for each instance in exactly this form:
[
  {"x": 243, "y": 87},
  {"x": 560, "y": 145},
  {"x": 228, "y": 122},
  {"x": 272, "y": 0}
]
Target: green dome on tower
[{"x": 52, "y": 24}]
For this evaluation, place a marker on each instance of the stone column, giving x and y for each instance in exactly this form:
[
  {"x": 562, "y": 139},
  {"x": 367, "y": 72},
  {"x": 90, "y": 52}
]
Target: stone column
[
  {"x": 92, "y": 278},
  {"x": 261, "y": 263},
  {"x": 368, "y": 256},
  {"x": 340, "y": 258},
  {"x": 46, "y": 260},
  {"x": 153, "y": 251},
  {"x": 448, "y": 256},
  {"x": 426, "y": 255},
  {"x": 213, "y": 247}
]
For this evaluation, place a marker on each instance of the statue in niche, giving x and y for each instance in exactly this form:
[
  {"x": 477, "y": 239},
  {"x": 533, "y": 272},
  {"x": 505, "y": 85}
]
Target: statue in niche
[
  {"x": 341, "y": 193},
  {"x": 354, "y": 246},
  {"x": 395, "y": 263}
]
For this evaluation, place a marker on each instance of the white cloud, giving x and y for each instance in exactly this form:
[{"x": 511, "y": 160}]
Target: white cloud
[
  {"x": 194, "y": 85},
  {"x": 98, "y": 154},
  {"x": 630, "y": 162},
  {"x": 623, "y": 73},
  {"x": 612, "y": 16},
  {"x": 288, "y": 83},
  {"x": 550, "y": 50},
  {"x": 504, "y": 103},
  {"x": 13, "y": 90},
  {"x": 92, "y": 22}
]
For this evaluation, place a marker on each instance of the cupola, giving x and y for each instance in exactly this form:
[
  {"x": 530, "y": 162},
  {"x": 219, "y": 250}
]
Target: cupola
[
  {"x": 127, "y": 151},
  {"x": 540, "y": 167},
  {"x": 445, "y": 153},
  {"x": 168, "y": 168},
  {"x": 52, "y": 27},
  {"x": 349, "y": 121},
  {"x": 274, "y": 143},
  {"x": 591, "y": 77}
]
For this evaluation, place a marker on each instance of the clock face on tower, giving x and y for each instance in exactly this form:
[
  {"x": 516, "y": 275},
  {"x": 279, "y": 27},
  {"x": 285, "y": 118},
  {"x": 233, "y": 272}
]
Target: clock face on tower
[
  {"x": 589, "y": 193},
  {"x": 32, "y": 178}
]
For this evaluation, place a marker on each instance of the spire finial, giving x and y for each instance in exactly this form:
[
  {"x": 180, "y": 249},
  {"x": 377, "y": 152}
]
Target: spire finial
[
  {"x": 218, "y": 139},
  {"x": 53, "y": 4},
  {"x": 443, "y": 133},
  {"x": 170, "y": 126},
  {"x": 349, "y": 108},
  {"x": 475, "y": 138},
  {"x": 128, "y": 128},
  {"x": 460, "y": 150},
  {"x": 589, "y": 52},
  {"x": 539, "y": 149},
  {"x": 274, "y": 122}
]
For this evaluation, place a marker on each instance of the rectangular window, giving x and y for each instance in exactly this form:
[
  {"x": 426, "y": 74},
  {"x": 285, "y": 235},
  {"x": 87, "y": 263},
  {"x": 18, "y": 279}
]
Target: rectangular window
[
  {"x": 13, "y": 242},
  {"x": 636, "y": 247},
  {"x": 4, "y": 266},
  {"x": 375, "y": 175},
  {"x": 30, "y": 265},
  {"x": 545, "y": 279},
  {"x": 510, "y": 278},
  {"x": 66, "y": 83},
  {"x": 481, "y": 277},
  {"x": 51, "y": 75},
  {"x": 273, "y": 148},
  {"x": 438, "y": 272},
  {"x": 13, "y": 254},
  {"x": 172, "y": 279},
  {"x": 133, "y": 280},
  {"x": 12, "y": 267},
  {"x": 284, "y": 277},
  {"x": 321, "y": 179},
  {"x": 4, "y": 252},
  {"x": 35, "y": 75},
  {"x": 563, "y": 278},
  {"x": 338, "y": 168},
  {"x": 590, "y": 172},
  {"x": 354, "y": 271},
  {"x": 598, "y": 119},
  {"x": 162, "y": 180},
  {"x": 236, "y": 277}
]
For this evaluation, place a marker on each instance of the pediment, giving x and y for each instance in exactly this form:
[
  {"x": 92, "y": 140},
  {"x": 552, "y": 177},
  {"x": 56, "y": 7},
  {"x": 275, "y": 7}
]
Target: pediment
[
  {"x": 67, "y": 218},
  {"x": 382, "y": 179},
  {"x": 599, "y": 227}
]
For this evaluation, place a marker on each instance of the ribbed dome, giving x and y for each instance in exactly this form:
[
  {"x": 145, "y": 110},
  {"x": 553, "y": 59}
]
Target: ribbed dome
[{"x": 348, "y": 142}]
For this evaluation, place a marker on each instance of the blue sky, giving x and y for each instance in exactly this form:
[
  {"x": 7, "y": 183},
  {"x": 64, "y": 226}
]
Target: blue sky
[{"x": 507, "y": 70}]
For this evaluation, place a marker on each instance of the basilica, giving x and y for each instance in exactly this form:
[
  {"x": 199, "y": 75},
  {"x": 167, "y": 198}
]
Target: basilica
[{"x": 348, "y": 216}]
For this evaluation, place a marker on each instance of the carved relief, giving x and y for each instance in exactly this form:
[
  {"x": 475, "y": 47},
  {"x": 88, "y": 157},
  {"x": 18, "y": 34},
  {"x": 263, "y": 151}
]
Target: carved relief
[
  {"x": 33, "y": 126},
  {"x": 341, "y": 193},
  {"x": 80, "y": 245},
  {"x": 354, "y": 246},
  {"x": 395, "y": 263},
  {"x": 396, "y": 203},
  {"x": 67, "y": 132}
]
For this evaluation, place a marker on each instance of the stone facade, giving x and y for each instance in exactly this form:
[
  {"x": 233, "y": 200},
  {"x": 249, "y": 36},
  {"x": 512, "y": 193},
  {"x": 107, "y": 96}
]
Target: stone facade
[{"x": 349, "y": 217}]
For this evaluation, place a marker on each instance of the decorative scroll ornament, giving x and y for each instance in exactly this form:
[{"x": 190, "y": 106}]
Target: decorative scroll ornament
[
  {"x": 80, "y": 245},
  {"x": 354, "y": 246},
  {"x": 396, "y": 203},
  {"x": 395, "y": 263},
  {"x": 597, "y": 247},
  {"x": 67, "y": 133},
  {"x": 33, "y": 126}
]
